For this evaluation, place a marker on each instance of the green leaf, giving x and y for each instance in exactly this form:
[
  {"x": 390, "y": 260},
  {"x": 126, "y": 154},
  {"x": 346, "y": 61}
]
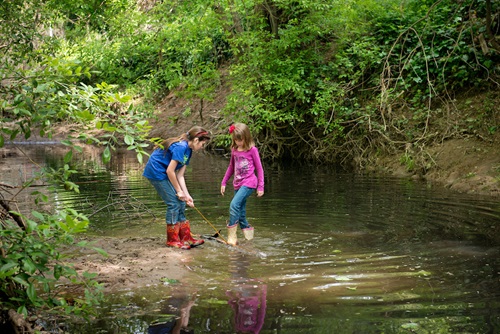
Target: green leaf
[
  {"x": 216, "y": 301},
  {"x": 44, "y": 198},
  {"x": 29, "y": 266},
  {"x": 129, "y": 140},
  {"x": 424, "y": 273},
  {"x": 100, "y": 251},
  {"x": 23, "y": 310},
  {"x": 20, "y": 280},
  {"x": 109, "y": 128},
  {"x": 63, "y": 226},
  {"x": 89, "y": 275},
  {"x": 57, "y": 271},
  {"x": 106, "y": 155},
  {"x": 38, "y": 215},
  {"x": 7, "y": 266},
  {"x": 410, "y": 325},
  {"x": 31, "y": 292},
  {"x": 169, "y": 280},
  {"x": 85, "y": 115},
  {"x": 31, "y": 225},
  {"x": 68, "y": 156},
  {"x": 80, "y": 226}
]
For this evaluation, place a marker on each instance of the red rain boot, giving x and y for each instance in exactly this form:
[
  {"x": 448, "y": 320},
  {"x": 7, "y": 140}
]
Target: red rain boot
[
  {"x": 173, "y": 237},
  {"x": 186, "y": 236}
]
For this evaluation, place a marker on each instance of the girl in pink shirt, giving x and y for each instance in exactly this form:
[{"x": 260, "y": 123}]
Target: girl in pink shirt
[{"x": 246, "y": 168}]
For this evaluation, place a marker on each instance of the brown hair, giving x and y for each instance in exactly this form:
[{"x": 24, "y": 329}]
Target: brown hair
[
  {"x": 194, "y": 132},
  {"x": 240, "y": 131}
]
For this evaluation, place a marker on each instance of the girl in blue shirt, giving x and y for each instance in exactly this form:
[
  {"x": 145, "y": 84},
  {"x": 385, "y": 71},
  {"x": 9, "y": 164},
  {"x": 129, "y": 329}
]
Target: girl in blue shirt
[{"x": 165, "y": 170}]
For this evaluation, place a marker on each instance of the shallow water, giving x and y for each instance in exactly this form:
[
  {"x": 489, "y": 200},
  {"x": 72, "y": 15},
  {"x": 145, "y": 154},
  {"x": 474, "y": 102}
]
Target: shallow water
[{"x": 333, "y": 252}]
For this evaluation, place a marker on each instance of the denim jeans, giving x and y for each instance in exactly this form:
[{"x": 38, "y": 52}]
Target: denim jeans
[
  {"x": 238, "y": 207},
  {"x": 175, "y": 207}
]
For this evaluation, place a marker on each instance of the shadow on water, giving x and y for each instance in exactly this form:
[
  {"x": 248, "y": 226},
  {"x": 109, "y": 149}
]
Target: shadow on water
[{"x": 333, "y": 253}]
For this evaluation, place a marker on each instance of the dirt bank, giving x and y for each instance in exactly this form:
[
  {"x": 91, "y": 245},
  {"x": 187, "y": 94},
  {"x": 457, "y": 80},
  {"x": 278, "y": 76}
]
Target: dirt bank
[
  {"x": 133, "y": 262},
  {"x": 466, "y": 165}
]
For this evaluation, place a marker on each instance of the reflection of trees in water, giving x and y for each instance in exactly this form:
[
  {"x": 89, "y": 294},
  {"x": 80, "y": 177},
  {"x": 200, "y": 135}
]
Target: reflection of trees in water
[
  {"x": 128, "y": 205},
  {"x": 107, "y": 192},
  {"x": 20, "y": 163},
  {"x": 124, "y": 162},
  {"x": 20, "y": 166},
  {"x": 202, "y": 161}
]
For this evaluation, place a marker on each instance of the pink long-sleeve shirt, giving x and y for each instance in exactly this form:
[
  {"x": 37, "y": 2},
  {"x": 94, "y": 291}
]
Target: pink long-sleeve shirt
[{"x": 246, "y": 168}]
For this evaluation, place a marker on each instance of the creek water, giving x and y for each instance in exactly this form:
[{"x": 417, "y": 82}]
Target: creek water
[{"x": 333, "y": 252}]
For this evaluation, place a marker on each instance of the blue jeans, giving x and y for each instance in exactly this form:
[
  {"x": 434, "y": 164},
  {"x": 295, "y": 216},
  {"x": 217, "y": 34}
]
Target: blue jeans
[
  {"x": 175, "y": 207},
  {"x": 238, "y": 207}
]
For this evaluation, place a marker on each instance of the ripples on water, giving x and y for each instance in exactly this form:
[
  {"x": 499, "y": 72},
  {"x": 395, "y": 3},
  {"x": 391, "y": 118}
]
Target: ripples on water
[{"x": 333, "y": 252}]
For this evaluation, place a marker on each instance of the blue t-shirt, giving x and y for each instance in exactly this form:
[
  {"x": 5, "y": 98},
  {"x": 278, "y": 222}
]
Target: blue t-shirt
[{"x": 156, "y": 168}]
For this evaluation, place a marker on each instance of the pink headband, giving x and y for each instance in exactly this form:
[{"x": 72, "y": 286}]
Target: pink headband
[
  {"x": 231, "y": 129},
  {"x": 200, "y": 134}
]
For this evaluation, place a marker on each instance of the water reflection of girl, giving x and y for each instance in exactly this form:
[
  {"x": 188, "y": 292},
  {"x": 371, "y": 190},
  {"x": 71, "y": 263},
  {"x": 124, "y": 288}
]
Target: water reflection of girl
[
  {"x": 175, "y": 325},
  {"x": 249, "y": 305},
  {"x": 247, "y": 298}
]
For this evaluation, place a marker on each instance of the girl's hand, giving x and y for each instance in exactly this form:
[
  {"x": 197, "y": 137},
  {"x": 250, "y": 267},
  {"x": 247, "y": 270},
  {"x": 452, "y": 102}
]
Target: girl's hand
[
  {"x": 222, "y": 190},
  {"x": 181, "y": 196},
  {"x": 189, "y": 201},
  {"x": 260, "y": 193}
]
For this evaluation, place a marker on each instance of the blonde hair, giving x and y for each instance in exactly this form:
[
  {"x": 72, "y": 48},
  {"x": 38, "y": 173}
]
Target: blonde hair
[
  {"x": 194, "y": 132},
  {"x": 240, "y": 131}
]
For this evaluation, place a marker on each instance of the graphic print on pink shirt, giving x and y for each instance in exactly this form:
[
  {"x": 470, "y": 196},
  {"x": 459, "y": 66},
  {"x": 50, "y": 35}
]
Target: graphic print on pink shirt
[{"x": 242, "y": 166}]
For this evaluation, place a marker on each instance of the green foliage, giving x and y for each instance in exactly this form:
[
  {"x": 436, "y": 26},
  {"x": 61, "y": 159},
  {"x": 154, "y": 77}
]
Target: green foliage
[
  {"x": 407, "y": 160},
  {"x": 123, "y": 61},
  {"x": 331, "y": 75},
  {"x": 190, "y": 48},
  {"x": 52, "y": 94},
  {"x": 18, "y": 29},
  {"x": 434, "y": 49},
  {"x": 200, "y": 84},
  {"x": 95, "y": 14},
  {"x": 40, "y": 95},
  {"x": 32, "y": 264},
  {"x": 160, "y": 50}
]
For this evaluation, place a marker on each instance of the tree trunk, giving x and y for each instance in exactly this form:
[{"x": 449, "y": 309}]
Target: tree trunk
[{"x": 491, "y": 37}]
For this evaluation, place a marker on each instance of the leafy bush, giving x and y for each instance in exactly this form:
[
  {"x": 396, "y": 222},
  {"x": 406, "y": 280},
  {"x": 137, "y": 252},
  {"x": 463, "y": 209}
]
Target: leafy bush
[{"x": 32, "y": 264}]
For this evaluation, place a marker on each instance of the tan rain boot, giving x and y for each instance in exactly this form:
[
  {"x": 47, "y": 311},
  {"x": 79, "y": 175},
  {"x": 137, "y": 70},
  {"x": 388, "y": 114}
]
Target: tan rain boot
[
  {"x": 173, "y": 237},
  {"x": 186, "y": 236},
  {"x": 248, "y": 233},
  {"x": 232, "y": 239}
]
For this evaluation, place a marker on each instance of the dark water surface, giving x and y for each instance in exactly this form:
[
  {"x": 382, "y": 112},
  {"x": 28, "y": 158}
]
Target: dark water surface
[{"x": 333, "y": 252}]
